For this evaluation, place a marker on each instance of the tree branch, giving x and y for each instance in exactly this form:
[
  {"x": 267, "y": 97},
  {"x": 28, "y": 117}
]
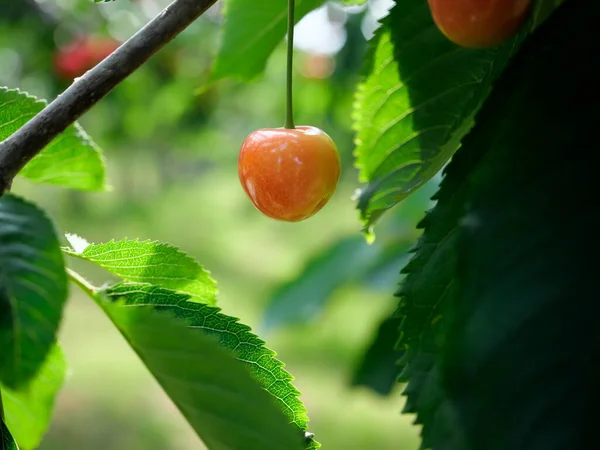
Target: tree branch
[{"x": 18, "y": 149}]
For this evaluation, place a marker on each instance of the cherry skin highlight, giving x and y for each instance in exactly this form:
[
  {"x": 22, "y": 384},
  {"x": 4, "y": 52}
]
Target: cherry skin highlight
[
  {"x": 479, "y": 23},
  {"x": 289, "y": 174}
]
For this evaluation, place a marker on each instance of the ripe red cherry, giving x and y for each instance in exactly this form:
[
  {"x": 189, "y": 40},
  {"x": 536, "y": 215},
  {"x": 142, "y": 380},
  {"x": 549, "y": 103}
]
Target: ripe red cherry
[
  {"x": 289, "y": 174},
  {"x": 479, "y": 23}
]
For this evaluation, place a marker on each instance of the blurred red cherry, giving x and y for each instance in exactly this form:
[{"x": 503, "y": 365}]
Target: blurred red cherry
[
  {"x": 81, "y": 54},
  {"x": 316, "y": 66}
]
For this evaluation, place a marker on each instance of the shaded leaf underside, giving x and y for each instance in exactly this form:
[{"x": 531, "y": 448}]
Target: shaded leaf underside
[
  {"x": 521, "y": 365},
  {"x": 484, "y": 304},
  {"x": 33, "y": 290}
]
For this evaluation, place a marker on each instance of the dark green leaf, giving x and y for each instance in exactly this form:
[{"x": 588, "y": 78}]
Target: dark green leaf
[
  {"x": 71, "y": 160},
  {"x": 522, "y": 359},
  {"x": 409, "y": 119},
  {"x": 543, "y": 9},
  {"x": 6, "y": 440},
  {"x": 33, "y": 290},
  {"x": 28, "y": 410},
  {"x": 251, "y": 33},
  {"x": 510, "y": 196},
  {"x": 216, "y": 393},
  {"x": 429, "y": 286},
  {"x": 149, "y": 262},
  {"x": 378, "y": 369}
]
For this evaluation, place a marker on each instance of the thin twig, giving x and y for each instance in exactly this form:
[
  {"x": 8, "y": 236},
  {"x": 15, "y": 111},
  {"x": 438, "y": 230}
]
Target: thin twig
[
  {"x": 83, "y": 284},
  {"x": 29, "y": 140}
]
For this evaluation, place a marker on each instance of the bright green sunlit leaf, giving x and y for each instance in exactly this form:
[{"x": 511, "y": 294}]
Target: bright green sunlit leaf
[{"x": 149, "y": 262}]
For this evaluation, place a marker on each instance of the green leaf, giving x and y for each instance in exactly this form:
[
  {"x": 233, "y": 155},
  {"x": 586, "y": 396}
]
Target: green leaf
[
  {"x": 231, "y": 334},
  {"x": 72, "y": 160},
  {"x": 6, "y": 440},
  {"x": 378, "y": 368},
  {"x": 250, "y": 34},
  {"x": 305, "y": 296},
  {"x": 478, "y": 360},
  {"x": 429, "y": 286},
  {"x": 543, "y": 9},
  {"x": 33, "y": 290},
  {"x": 522, "y": 358},
  {"x": 28, "y": 410},
  {"x": 349, "y": 260},
  {"x": 216, "y": 393},
  {"x": 410, "y": 120},
  {"x": 149, "y": 262}
]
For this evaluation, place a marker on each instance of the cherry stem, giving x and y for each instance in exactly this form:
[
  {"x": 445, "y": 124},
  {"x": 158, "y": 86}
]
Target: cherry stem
[{"x": 289, "y": 113}]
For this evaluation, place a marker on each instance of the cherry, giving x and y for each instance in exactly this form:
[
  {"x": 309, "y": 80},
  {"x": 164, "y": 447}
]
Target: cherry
[
  {"x": 479, "y": 23},
  {"x": 317, "y": 67},
  {"x": 81, "y": 54},
  {"x": 289, "y": 174}
]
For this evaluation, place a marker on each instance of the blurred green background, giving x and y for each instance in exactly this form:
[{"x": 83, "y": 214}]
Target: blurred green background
[{"x": 171, "y": 146}]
